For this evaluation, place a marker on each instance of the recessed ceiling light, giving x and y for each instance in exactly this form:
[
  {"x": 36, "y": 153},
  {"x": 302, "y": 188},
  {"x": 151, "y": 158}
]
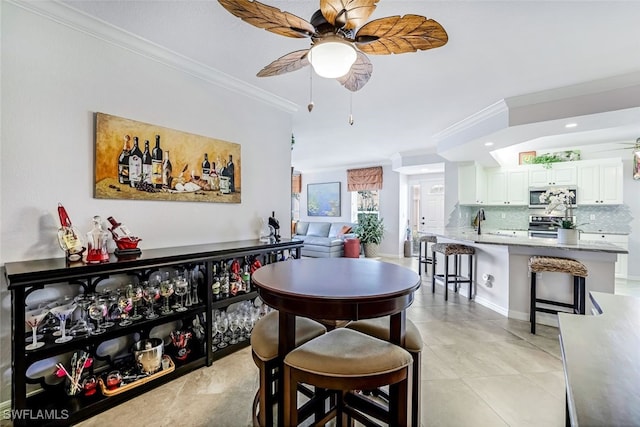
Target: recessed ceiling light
[
  {"x": 570, "y": 125},
  {"x": 488, "y": 144}
]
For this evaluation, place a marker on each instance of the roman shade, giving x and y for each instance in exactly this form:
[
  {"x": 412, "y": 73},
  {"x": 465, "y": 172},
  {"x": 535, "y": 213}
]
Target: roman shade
[
  {"x": 296, "y": 184},
  {"x": 364, "y": 179}
]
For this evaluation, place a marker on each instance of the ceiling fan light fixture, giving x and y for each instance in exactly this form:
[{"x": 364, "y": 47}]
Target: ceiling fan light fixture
[{"x": 332, "y": 58}]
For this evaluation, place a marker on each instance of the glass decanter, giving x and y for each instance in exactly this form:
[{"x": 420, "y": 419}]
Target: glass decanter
[{"x": 97, "y": 240}]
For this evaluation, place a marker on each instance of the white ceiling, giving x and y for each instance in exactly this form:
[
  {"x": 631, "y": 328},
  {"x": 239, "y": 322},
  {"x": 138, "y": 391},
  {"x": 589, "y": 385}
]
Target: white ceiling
[{"x": 497, "y": 50}]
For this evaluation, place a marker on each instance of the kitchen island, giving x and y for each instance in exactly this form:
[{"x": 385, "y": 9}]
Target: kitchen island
[{"x": 505, "y": 260}]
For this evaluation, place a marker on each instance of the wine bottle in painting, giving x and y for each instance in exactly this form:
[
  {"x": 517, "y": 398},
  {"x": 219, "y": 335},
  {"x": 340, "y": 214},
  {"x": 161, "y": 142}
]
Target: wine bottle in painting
[
  {"x": 146, "y": 163},
  {"x": 156, "y": 164},
  {"x": 231, "y": 174},
  {"x": 123, "y": 162},
  {"x": 206, "y": 167},
  {"x": 135, "y": 163},
  {"x": 167, "y": 169}
]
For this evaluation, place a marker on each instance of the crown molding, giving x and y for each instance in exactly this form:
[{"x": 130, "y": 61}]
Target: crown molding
[
  {"x": 494, "y": 110},
  {"x": 87, "y": 24}
]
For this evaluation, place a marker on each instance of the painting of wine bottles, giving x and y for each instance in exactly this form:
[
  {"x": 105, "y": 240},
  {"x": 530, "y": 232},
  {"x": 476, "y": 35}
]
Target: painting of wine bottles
[{"x": 141, "y": 161}]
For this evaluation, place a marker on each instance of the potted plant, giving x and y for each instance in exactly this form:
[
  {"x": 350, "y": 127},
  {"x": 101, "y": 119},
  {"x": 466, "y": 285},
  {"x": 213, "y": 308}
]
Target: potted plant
[{"x": 370, "y": 229}]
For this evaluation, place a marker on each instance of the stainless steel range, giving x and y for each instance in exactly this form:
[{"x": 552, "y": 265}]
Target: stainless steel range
[{"x": 544, "y": 226}]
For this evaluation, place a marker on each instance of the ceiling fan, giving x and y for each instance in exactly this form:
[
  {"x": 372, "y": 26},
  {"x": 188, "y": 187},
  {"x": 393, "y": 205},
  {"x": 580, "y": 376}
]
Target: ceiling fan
[
  {"x": 339, "y": 32},
  {"x": 627, "y": 145}
]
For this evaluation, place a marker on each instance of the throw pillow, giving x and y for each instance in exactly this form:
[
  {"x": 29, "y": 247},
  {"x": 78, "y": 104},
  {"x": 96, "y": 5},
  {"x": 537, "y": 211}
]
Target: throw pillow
[{"x": 345, "y": 229}]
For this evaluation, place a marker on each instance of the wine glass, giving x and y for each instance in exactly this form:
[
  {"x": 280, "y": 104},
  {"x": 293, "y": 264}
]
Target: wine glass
[
  {"x": 63, "y": 312},
  {"x": 135, "y": 293},
  {"x": 187, "y": 276},
  {"x": 111, "y": 304},
  {"x": 82, "y": 327},
  {"x": 182, "y": 287},
  {"x": 150, "y": 294},
  {"x": 193, "y": 277},
  {"x": 222, "y": 326},
  {"x": 234, "y": 325},
  {"x": 166, "y": 290},
  {"x": 124, "y": 306},
  {"x": 97, "y": 311},
  {"x": 33, "y": 319}
]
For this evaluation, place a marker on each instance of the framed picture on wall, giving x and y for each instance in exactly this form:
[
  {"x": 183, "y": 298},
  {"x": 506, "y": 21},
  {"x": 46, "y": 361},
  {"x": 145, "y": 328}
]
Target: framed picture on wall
[
  {"x": 526, "y": 157},
  {"x": 323, "y": 199},
  {"x": 142, "y": 161}
]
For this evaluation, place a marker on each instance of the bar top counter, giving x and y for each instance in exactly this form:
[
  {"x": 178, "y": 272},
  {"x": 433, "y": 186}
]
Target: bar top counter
[
  {"x": 491, "y": 238},
  {"x": 504, "y": 259}
]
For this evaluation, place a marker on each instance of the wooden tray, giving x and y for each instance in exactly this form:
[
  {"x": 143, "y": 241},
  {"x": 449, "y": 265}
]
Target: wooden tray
[{"x": 122, "y": 389}]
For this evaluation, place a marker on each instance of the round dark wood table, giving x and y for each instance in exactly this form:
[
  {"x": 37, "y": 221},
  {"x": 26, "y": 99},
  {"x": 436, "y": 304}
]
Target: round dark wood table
[{"x": 338, "y": 289}]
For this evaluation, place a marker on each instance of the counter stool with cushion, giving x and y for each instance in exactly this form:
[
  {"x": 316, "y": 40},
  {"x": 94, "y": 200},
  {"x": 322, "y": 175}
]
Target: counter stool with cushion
[
  {"x": 539, "y": 264},
  {"x": 457, "y": 250},
  {"x": 345, "y": 360},
  {"x": 264, "y": 349},
  {"x": 423, "y": 258},
  {"x": 379, "y": 328}
]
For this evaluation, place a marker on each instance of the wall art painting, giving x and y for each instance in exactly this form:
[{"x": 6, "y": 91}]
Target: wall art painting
[
  {"x": 141, "y": 161},
  {"x": 323, "y": 199}
]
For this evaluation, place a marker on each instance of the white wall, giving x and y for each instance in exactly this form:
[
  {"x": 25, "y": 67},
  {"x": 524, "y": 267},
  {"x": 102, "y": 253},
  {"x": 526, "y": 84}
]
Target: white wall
[
  {"x": 631, "y": 195},
  {"x": 54, "y": 78}
]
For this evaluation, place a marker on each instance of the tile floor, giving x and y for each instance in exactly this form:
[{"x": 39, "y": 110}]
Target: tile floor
[{"x": 479, "y": 369}]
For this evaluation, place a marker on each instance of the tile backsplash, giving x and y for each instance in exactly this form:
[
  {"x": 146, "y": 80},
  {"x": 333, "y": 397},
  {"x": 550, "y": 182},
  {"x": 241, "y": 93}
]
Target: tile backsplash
[{"x": 612, "y": 219}]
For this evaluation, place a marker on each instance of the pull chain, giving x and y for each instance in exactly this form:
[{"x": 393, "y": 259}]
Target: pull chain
[
  {"x": 310, "y": 106},
  {"x": 351, "y": 108}
]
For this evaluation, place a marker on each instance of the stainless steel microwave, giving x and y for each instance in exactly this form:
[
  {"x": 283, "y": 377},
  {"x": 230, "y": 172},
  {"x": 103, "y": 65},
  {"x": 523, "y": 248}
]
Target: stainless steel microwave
[{"x": 535, "y": 192}]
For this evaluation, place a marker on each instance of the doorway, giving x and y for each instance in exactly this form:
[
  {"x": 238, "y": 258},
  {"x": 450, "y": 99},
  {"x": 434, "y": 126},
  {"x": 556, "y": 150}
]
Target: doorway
[{"x": 427, "y": 204}]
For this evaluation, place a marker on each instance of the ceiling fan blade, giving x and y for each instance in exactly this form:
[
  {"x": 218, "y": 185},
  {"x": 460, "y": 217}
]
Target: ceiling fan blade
[
  {"x": 347, "y": 14},
  {"x": 358, "y": 75},
  {"x": 290, "y": 62},
  {"x": 270, "y": 18},
  {"x": 395, "y": 34}
]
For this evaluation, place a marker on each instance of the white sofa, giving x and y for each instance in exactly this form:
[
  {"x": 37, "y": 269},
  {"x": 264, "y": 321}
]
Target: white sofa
[{"x": 323, "y": 239}]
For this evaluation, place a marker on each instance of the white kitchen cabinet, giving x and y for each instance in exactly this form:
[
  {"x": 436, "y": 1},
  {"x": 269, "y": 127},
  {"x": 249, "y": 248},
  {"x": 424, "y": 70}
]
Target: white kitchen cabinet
[
  {"x": 507, "y": 187},
  {"x": 559, "y": 174},
  {"x": 472, "y": 184},
  {"x": 616, "y": 239},
  {"x": 600, "y": 182}
]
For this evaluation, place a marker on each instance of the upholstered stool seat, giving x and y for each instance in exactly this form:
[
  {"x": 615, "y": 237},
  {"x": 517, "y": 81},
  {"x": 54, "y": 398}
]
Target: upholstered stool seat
[
  {"x": 264, "y": 349},
  {"x": 540, "y": 264},
  {"x": 423, "y": 257},
  {"x": 379, "y": 328},
  {"x": 344, "y": 360},
  {"x": 457, "y": 250}
]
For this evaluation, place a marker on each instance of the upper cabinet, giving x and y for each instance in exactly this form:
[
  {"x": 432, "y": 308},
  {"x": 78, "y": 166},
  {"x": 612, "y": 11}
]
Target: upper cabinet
[
  {"x": 560, "y": 174},
  {"x": 600, "y": 182},
  {"x": 472, "y": 185},
  {"x": 507, "y": 187}
]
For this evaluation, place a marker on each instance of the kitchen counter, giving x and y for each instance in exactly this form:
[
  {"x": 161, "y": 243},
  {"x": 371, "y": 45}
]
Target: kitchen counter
[
  {"x": 493, "y": 238},
  {"x": 502, "y": 280},
  {"x": 600, "y": 356}
]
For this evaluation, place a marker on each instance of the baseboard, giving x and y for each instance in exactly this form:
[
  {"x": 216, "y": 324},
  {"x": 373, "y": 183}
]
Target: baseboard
[{"x": 491, "y": 305}]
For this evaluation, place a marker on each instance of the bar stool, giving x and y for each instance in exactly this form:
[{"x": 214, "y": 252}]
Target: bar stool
[
  {"x": 457, "y": 250},
  {"x": 264, "y": 349},
  {"x": 379, "y": 328},
  {"x": 423, "y": 250},
  {"x": 344, "y": 360},
  {"x": 539, "y": 264}
]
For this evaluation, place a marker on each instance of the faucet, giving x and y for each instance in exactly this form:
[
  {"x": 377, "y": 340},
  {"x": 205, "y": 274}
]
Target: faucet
[{"x": 480, "y": 217}]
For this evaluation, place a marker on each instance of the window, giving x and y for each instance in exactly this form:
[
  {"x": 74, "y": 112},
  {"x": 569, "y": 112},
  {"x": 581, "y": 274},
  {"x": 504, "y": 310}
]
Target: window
[{"x": 364, "y": 203}]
